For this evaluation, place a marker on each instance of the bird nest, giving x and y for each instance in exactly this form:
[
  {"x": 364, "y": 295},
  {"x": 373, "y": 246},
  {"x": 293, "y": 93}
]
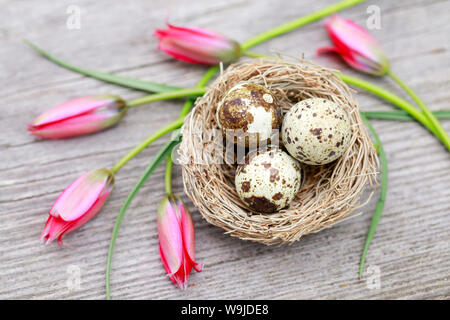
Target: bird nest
[{"x": 328, "y": 194}]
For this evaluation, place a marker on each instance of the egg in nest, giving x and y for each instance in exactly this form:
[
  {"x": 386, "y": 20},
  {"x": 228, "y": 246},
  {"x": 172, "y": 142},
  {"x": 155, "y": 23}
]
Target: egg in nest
[
  {"x": 316, "y": 131},
  {"x": 268, "y": 180},
  {"x": 248, "y": 114}
]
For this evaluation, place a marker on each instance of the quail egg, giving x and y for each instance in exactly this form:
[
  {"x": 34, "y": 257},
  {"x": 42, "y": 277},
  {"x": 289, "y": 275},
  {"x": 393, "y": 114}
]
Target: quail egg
[
  {"x": 316, "y": 131},
  {"x": 268, "y": 180},
  {"x": 248, "y": 114}
]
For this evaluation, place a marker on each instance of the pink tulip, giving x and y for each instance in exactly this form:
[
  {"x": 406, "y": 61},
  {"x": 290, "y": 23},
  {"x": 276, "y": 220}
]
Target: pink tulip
[
  {"x": 197, "y": 45},
  {"x": 78, "y": 204},
  {"x": 356, "y": 46},
  {"x": 78, "y": 117},
  {"x": 176, "y": 240}
]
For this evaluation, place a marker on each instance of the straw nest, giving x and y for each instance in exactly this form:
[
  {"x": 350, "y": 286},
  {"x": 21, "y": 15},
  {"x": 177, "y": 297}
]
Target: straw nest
[{"x": 329, "y": 193}]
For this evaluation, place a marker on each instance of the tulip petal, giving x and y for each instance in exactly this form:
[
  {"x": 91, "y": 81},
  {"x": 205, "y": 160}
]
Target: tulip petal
[
  {"x": 92, "y": 211},
  {"x": 326, "y": 50},
  {"x": 181, "y": 55},
  {"x": 56, "y": 227},
  {"x": 165, "y": 264},
  {"x": 188, "y": 233},
  {"x": 79, "y": 197},
  {"x": 76, "y": 126},
  {"x": 79, "y": 116},
  {"x": 192, "y": 41},
  {"x": 79, "y": 203},
  {"x": 351, "y": 36},
  {"x": 198, "y": 31},
  {"x": 170, "y": 240},
  {"x": 196, "y": 45},
  {"x": 356, "y": 46},
  {"x": 186, "y": 272},
  {"x": 69, "y": 109},
  {"x": 192, "y": 48},
  {"x": 51, "y": 231},
  {"x": 350, "y": 59}
]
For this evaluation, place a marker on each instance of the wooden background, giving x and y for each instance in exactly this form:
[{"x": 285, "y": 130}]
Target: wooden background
[{"x": 410, "y": 248}]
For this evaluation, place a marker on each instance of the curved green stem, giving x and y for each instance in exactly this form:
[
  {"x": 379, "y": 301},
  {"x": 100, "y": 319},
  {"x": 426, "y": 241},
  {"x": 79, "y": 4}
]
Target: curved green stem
[
  {"x": 294, "y": 24},
  {"x": 184, "y": 111},
  {"x": 163, "y": 152},
  {"x": 383, "y": 191},
  {"x": 105, "y": 76},
  {"x": 389, "y": 96},
  {"x": 155, "y": 136},
  {"x": 174, "y": 94},
  {"x": 168, "y": 175},
  {"x": 428, "y": 114},
  {"x": 402, "y": 115},
  {"x": 253, "y": 54},
  {"x": 203, "y": 81}
]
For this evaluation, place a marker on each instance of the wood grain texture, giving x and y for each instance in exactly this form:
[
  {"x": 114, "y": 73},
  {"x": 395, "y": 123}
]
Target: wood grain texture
[{"x": 410, "y": 247}]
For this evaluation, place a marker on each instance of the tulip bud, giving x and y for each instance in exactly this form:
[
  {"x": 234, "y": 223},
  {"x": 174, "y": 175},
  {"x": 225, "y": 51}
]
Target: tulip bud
[
  {"x": 176, "y": 240},
  {"x": 79, "y": 116},
  {"x": 356, "y": 46},
  {"x": 78, "y": 204},
  {"x": 197, "y": 45}
]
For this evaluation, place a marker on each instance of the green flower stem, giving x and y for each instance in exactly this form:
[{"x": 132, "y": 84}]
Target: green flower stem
[
  {"x": 155, "y": 136},
  {"x": 104, "y": 76},
  {"x": 174, "y": 94},
  {"x": 203, "y": 81},
  {"x": 383, "y": 190},
  {"x": 440, "y": 132},
  {"x": 168, "y": 175},
  {"x": 389, "y": 96},
  {"x": 162, "y": 153},
  {"x": 184, "y": 111},
  {"x": 253, "y": 54},
  {"x": 402, "y": 115},
  {"x": 396, "y": 100},
  {"x": 294, "y": 24}
]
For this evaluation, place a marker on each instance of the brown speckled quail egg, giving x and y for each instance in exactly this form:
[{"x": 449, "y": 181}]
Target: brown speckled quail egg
[
  {"x": 268, "y": 180},
  {"x": 316, "y": 131},
  {"x": 248, "y": 113}
]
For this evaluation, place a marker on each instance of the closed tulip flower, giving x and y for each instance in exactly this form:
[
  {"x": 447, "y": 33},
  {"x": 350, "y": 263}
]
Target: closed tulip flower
[
  {"x": 197, "y": 45},
  {"x": 363, "y": 52},
  {"x": 356, "y": 46},
  {"x": 79, "y": 116},
  {"x": 78, "y": 204},
  {"x": 176, "y": 240}
]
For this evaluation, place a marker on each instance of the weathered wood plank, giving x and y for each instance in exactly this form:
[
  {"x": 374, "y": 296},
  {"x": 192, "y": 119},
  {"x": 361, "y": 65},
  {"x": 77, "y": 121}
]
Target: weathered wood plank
[{"x": 410, "y": 247}]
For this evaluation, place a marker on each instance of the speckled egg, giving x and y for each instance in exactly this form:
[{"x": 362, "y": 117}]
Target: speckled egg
[
  {"x": 248, "y": 113},
  {"x": 268, "y": 180},
  {"x": 316, "y": 131}
]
